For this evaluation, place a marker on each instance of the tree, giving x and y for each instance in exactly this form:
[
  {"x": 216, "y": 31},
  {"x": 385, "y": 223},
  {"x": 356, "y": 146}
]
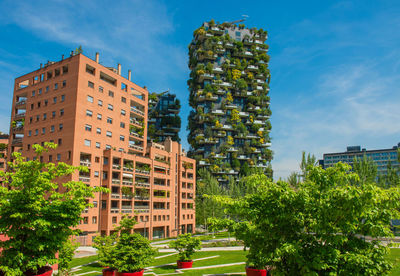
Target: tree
[
  {"x": 294, "y": 179},
  {"x": 205, "y": 207},
  {"x": 186, "y": 246},
  {"x": 365, "y": 169},
  {"x": 307, "y": 163},
  {"x": 65, "y": 256},
  {"x": 37, "y": 218},
  {"x": 318, "y": 228}
]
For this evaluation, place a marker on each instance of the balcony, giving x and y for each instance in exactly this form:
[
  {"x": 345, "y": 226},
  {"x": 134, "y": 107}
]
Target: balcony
[
  {"x": 218, "y": 70},
  {"x": 127, "y": 182},
  {"x": 116, "y": 181},
  {"x": 205, "y": 76},
  {"x": 139, "y": 197},
  {"x": 243, "y": 157},
  {"x": 128, "y": 169},
  {"x": 84, "y": 179},
  {"x": 116, "y": 166},
  {"x": 229, "y": 45},
  {"x": 135, "y": 147},
  {"x": 18, "y": 129},
  {"x": 218, "y": 112},
  {"x": 20, "y": 103},
  {"x": 142, "y": 184},
  {"x": 114, "y": 210},
  {"x": 231, "y": 106},
  {"x": 85, "y": 163},
  {"x": 17, "y": 141},
  {"x": 137, "y": 122},
  {"x": 19, "y": 116},
  {"x": 252, "y": 68},
  {"x": 142, "y": 209},
  {"x": 142, "y": 171},
  {"x": 115, "y": 195},
  {"x": 203, "y": 163},
  {"x": 137, "y": 111},
  {"x": 244, "y": 114},
  {"x": 231, "y": 150}
]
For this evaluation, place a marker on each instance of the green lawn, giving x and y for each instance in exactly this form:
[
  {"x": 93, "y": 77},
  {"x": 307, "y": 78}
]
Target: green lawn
[{"x": 224, "y": 257}]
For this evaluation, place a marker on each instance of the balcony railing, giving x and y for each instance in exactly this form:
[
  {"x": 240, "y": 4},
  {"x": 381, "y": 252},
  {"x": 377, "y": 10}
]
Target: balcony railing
[
  {"x": 115, "y": 181},
  {"x": 142, "y": 184},
  {"x": 137, "y": 111},
  {"x": 136, "y": 147},
  {"x": 85, "y": 163},
  {"x": 84, "y": 178},
  {"x": 19, "y": 116},
  {"x": 115, "y": 195},
  {"x": 128, "y": 183}
]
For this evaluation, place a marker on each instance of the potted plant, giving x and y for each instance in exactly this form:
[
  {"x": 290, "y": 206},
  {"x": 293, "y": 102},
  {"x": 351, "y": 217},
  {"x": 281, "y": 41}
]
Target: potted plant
[
  {"x": 131, "y": 254},
  {"x": 35, "y": 217},
  {"x": 186, "y": 245},
  {"x": 105, "y": 246}
]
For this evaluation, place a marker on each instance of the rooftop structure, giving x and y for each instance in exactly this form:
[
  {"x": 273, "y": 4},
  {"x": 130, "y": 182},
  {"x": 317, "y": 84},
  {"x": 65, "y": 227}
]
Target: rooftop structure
[
  {"x": 229, "y": 86},
  {"x": 98, "y": 118}
]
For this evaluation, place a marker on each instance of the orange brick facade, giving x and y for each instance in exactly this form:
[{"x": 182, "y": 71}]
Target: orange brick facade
[{"x": 98, "y": 119}]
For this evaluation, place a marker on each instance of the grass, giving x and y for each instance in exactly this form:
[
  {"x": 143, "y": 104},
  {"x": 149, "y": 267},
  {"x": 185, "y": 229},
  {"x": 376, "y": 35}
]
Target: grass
[{"x": 224, "y": 257}]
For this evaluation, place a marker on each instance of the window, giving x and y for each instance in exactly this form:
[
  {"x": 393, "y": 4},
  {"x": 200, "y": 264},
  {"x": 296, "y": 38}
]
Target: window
[
  {"x": 29, "y": 133},
  {"x": 103, "y": 204},
  {"x": 87, "y": 143},
  {"x": 55, "y": 100},
  {"x": 88, "y": 127},
  {"x": 65, "y": 69},
  {"x": 60, "y": 126},
  {"x": 37, "y": 118},
  {"x": 43, "y": 130},
  {"x": 96, "y": 173},
  {"x": 99, "y": 116},
  {"x": 90, "y": 84},
  {"x": 55, "y": 86},
  {"x": 32, "y": 105},
  {"x": 109, "y": 134},
  {"x": 97, "y": 145},
  {"x": 64, "y": 83},
  {"x": 124, "y": 87},
  {"x": 57, "y": 72},
  {"x": 122, "y": 125},
  {"x": 100, "y": 103},
  {"x": 46, "y": 102},
  {"x": 30, "y": 120},
  {"x": 89, "y": 113},
  {"x": 38, "y": 104},
  {"x": 101, "y": 89},
  {"x": 108, "y": 146},
  {"x": 111, "y": 94},
  {"x": 52, "y": 128},
  {"x": 33, "y": 93},
  {"x": 47, "y": 89},
  {"x": 53, "y": 114},
  {"x": 123, "y": 99},
  {"x": 114, "y": 220},
  {"x": 44, "y": 116},
  {"x": 97, "y": 159},
  {"x": 122, "y": 137},
  {"x": 109, "y": 120},
  {"x": 58, "y": 156},
  {"x": 110, "y": 107},
  {"x": 85, "y": 220},
  {"x": 62, "y": 98},
  {"x": 123, "y": 112},
  {"x": 50, "y": 158},
  {"x": 90, "y": 99},
  {"x": 59, "y": 142},
  {"x": 91, "y": 70},
  {"x": 98, "y": 130},
  {"x": 62, "y": 112},
  {"x": 40, "y": 91},
  {"x": 94, "y": 220}
]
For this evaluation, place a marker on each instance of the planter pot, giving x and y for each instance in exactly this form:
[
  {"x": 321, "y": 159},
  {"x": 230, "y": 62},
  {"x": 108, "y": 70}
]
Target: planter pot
[
  {"x": 138, "y": 273},
  {"x": 109, "y": 272},
  {"x": 44, "y": 271},
  {"x": 256, "y": 272},
  {"x": 184, "y": 264}
]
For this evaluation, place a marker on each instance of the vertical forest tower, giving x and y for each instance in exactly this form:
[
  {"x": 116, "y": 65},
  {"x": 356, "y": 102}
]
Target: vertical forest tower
[{"x": 229, "y": 85}]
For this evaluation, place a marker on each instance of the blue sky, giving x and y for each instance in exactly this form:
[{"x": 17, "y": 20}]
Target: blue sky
[{"x": 335, "y": 65}]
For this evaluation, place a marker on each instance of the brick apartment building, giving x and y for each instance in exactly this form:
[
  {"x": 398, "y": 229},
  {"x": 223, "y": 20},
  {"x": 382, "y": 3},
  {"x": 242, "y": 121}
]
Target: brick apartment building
[
  {"x": 98, "y": 118},
  {"x": 3, "y": 151}
]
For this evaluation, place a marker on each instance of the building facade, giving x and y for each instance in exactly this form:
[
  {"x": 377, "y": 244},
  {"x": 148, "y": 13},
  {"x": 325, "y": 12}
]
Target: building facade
[
  {"x": 229, "y": 86},
  {"x": 164, "y": 120},
  {"x": 98, "y": 118},
  {"x": 380, "y": 157},
  {"x": 3, "y": 151}
]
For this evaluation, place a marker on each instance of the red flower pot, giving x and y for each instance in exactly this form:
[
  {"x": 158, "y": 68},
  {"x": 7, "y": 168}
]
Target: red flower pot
[
  {"x": 184, "y": 264},
  {"x": 109, "y": 272},
  {"x": 44, "y": 271},
  {"x": 255, "y": 272},
  {"x": 138, "y": 273}
]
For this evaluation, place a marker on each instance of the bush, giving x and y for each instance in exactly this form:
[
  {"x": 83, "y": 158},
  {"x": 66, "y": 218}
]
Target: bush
[{"x": 186, "y": 245}]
